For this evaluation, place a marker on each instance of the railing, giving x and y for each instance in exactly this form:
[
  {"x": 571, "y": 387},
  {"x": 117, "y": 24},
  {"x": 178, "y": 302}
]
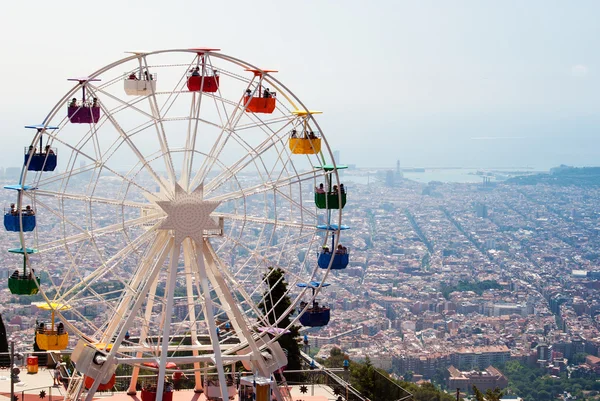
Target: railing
[
  {"x": 37, "y": 392},
  {"x": 329, "y": 375},
  {"x": 331, "y": 378}
]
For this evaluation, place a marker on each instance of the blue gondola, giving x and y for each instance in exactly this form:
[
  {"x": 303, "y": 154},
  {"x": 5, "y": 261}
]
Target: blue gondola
[
  {"x": 41, "y": 161},
  {"x": 13, "y": 216},
  {"x": 12, "y": 221},
  {"x": 316, "y": 315},
  {"x": 316, "y": 318},
  {"x": 46, "y": 158},
  {"x": 340, "y": 261}
]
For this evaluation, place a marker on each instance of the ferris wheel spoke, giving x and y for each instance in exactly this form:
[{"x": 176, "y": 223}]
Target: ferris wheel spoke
[
  {"x": 122, "y": 105},
  {"x": 162, "y": 137},
  {"x": 265, "y": 123},
  {"x": 92, "y": 199},
  {"x": 259, "y": 255},
  {"x": 263, "y": 220},
  {"x": 128, "y": 140},
  {"x": 66, "y": 222},
  {"x": 294, "y": 279},
  {"x": 154, "y": 120},
  {"x": 190, "y": 142},
  {"x": 212, "y": 158},
  {"x": 94, "y": 165},
  {"x": 85, "y": 235},
  {"x": 246, "y": 160},
  {"x": 110, "y": 265},
  {"x": 226, "y": 125},
  {"x": 273, "y": 258},
  {"x": 159, "y": 113},
  {"x": 264, "y": 187}
]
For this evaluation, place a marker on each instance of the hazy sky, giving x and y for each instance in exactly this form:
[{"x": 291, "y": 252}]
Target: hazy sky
[{"x": 432, "y": 83}]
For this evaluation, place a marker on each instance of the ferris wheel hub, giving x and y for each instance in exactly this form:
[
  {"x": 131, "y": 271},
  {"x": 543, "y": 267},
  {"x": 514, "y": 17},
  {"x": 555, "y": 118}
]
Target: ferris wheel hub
[{"x": 188, "y": 214}]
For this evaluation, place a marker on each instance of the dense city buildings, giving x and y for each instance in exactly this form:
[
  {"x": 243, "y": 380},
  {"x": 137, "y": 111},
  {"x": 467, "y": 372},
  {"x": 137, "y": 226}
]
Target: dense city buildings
[
  {"x": 420, "y": 256},
  {"x": 442, "y": 276}
]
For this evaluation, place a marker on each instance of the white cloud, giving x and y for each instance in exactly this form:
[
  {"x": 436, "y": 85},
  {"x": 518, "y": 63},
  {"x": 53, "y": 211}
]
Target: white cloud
[{"x": 579, "y": 70}]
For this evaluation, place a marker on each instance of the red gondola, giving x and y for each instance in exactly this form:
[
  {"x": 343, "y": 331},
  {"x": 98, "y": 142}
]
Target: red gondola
[{"x": 203, "y": 77}]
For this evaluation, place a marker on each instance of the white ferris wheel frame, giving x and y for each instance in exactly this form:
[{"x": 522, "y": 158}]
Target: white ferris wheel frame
[{"x": 199, "y": 256}]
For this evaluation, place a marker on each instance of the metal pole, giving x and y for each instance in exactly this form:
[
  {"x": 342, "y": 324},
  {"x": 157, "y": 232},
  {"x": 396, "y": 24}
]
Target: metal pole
[{"x": 12, "y": 376}]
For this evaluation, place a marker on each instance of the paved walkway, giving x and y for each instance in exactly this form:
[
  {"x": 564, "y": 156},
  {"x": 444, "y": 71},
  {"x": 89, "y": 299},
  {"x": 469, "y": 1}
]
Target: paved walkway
[{"x": 31, "y": 386}]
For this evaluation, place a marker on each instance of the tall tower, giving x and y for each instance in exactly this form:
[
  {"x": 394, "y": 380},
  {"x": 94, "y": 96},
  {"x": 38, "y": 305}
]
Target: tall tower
[
  {"x": 399, "y": 174},
  {"x": 336, "y": 156}
]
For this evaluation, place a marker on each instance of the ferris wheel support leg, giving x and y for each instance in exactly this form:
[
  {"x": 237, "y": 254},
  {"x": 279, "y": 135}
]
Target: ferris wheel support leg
[
  {"x": 145, "y": 270},
  {"x": 132, "y": 390},
  {"x": 210, "y": 317},
  {"x": 187, "y": 262},
  {"x": 234, "y": 314},
  {"x": 155, "y": 267},
  {"x": 164, "y": 353}
]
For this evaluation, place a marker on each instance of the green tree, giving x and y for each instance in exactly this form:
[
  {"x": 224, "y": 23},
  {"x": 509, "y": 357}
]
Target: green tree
[
  {"x": 579, "y": 358},
  {"x": 544, "y": 395},
  {"x": 274, "y": 303},
  {"x": 428, "y": 392},
  {"x": 336, "y": 359},
  {"x": 363, "y": 378},
  {"x": 490, "y": 395}
]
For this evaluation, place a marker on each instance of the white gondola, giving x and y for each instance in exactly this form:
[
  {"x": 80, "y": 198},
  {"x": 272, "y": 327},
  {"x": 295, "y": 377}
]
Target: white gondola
[{"x": 140, "y": 87}]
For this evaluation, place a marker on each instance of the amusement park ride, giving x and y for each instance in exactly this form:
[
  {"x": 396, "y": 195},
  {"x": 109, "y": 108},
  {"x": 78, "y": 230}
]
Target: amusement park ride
[{"x": 184, "y": 175}]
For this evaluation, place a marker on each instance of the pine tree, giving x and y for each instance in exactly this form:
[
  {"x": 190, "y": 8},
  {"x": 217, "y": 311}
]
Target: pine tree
[
  {"x": 363, "y": 378},
  {"x": 277, "y": 295},
  {"x": 490, "y": 395}
]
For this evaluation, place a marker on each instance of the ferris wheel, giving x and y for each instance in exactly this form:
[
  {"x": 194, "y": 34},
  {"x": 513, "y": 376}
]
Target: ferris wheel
[{"x": 157, "y": 199}]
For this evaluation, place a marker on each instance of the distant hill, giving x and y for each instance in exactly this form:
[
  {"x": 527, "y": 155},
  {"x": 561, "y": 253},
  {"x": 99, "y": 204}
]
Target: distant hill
[{"x": 562, "y": 176}]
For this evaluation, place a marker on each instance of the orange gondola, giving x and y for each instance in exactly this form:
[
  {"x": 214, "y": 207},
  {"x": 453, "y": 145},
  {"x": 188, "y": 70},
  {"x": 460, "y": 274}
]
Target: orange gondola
[{"x": 260, "y": 100}]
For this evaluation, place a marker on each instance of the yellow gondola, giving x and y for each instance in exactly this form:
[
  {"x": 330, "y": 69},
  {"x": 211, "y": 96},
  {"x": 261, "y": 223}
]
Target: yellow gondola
[
  {"x": 305, "y": 146},
  {"x": 53, "y": 338},
  {"x": 305, "y": 142}
]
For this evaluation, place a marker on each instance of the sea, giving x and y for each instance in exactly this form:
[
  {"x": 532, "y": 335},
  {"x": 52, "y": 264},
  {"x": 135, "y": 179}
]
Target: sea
[{"x": 446, "y": 175}]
